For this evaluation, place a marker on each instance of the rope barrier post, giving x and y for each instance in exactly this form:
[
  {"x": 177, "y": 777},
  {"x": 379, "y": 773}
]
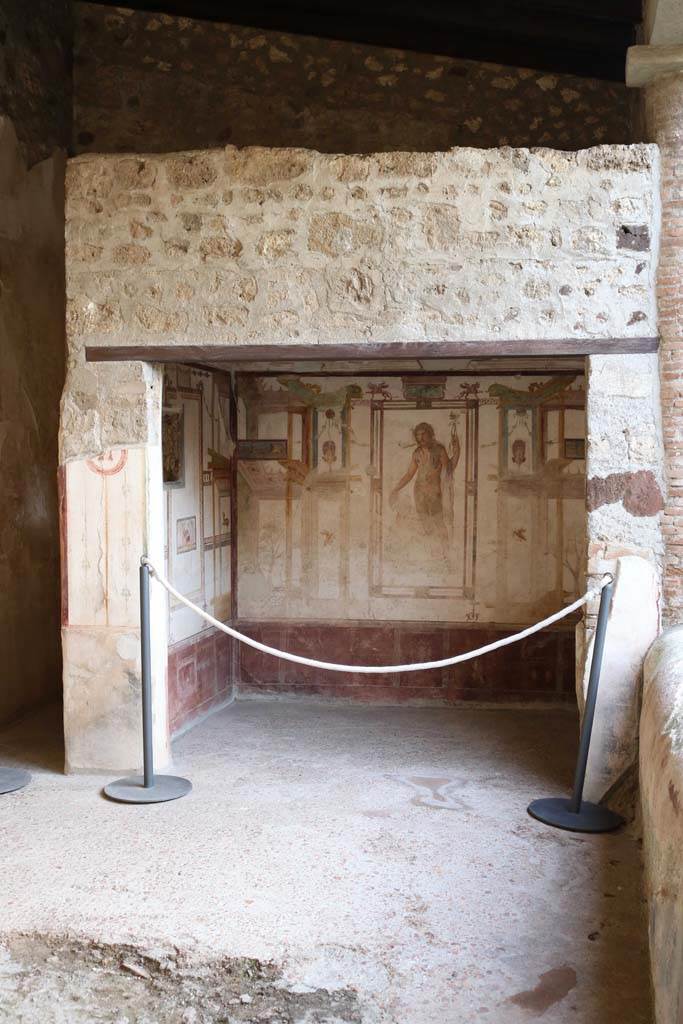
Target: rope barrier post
[
  {"x": 577, "y": 814},
  {"x": 147, "y": 788},
  {"x": 12, "y": 779}
]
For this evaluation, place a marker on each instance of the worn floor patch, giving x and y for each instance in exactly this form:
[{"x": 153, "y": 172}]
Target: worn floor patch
[
  {"x": 54, "y": 980},
  {"x": 439, "y": 793},
  {"x": 552, "y": 988}
]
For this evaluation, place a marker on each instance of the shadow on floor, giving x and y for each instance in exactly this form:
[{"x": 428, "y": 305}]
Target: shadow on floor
[{"x": 35, "y": 742}]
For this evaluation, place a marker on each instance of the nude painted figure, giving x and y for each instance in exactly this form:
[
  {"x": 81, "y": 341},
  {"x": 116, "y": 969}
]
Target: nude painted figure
[{"x": 429, "y": 464}]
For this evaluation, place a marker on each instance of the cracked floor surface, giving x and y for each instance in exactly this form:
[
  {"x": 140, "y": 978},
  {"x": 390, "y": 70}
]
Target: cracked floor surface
[{"x": 331, "y": 865}]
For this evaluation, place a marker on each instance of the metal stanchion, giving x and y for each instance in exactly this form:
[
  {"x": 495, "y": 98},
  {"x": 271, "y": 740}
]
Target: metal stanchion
[
  {"x": 12, "y": 779},
  {"x": 577, "y": 814},
  {"x": 147, "y": 788}
]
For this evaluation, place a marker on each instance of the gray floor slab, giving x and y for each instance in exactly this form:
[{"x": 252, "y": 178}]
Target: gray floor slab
[{"x": 372, "y": 864}]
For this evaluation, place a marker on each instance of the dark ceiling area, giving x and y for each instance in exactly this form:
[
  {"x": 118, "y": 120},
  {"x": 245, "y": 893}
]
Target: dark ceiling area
[{"x": 581, "y": 37}]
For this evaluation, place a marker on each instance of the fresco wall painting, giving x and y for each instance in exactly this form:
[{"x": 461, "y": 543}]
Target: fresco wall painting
[
  {"x": 424, "y": 544},
  {"x": 390, "y": 517},
  {"x": 418, "y": 497},
  {"x": 197, "y": 482},
  {"x": 541, "y": 495}
]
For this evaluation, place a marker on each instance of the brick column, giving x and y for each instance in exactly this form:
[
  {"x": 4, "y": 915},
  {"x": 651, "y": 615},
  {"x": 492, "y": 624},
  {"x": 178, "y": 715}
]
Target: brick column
[{"x": 664, "y": 121}]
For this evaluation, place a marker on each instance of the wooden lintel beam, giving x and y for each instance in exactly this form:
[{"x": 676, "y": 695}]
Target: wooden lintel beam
[{"x": 224, "y": 356}]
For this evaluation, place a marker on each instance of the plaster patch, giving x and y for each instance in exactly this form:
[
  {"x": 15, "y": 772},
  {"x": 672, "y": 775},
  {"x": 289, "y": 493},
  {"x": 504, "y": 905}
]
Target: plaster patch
[{"x": 638, "y": 491}]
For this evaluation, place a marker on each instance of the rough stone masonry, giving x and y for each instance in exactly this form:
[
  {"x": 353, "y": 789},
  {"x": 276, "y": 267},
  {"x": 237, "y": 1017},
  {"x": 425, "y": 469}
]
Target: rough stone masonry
[
  {"x": 262, "y": 245},
  {"x": 268, "y": 245},
  {"x": 146, "y": 81}
]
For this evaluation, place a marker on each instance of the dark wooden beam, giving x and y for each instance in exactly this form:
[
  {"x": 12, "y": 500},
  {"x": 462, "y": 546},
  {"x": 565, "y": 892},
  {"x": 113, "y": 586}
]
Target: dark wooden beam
[{"x": 225, "y": 356}]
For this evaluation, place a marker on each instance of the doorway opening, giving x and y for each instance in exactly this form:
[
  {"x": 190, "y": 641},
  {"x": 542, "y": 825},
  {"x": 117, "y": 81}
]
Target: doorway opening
[{"x": 373, "y": 511}]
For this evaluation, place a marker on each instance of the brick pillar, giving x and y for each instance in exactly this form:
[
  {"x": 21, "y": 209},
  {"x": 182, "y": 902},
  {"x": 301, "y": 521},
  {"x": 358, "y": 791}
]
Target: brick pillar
[{"x": 664, "y": 121}]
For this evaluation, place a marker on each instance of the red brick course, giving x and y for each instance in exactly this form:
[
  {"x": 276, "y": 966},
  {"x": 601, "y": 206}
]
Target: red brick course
[{"x": 664, "y": 118}]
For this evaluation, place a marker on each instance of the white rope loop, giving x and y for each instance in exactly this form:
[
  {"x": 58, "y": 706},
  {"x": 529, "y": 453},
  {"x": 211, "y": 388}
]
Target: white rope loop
[{"x": 379, "y": 669}]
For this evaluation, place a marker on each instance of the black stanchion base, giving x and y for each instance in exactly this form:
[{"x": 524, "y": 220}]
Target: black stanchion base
[
  {"x": 133, "y": 790},
  {"x": 12, "y": 779},
  {"x": 591, "y": 818}
]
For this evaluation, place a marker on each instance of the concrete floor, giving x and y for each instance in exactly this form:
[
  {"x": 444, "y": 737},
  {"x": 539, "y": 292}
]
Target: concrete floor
[{"x": 330, "y": 865}]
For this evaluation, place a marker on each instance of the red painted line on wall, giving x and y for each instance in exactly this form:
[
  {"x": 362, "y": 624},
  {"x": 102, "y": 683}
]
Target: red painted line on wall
[{"x": 64, "y": 582}]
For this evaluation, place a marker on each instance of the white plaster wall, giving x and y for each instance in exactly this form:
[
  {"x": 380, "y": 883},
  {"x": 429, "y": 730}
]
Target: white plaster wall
[
  {"x": 624, "y": 537},
  {"x": 633, "y": 626},
  {"x": 663, "y": 22},
  {"x": 114, "y": 515},
  {"x": 661, "y": 779}
]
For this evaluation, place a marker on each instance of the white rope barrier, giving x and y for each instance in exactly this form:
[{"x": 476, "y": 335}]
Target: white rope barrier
[{"x": 379, "y": 669}]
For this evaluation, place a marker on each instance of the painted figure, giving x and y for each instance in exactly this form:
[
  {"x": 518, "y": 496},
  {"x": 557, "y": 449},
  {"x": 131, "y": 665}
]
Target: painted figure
[
  {"x": 428, "y": 465},
  {"x": 329, "y": 453},
  {"x": 518, "y": 452}
]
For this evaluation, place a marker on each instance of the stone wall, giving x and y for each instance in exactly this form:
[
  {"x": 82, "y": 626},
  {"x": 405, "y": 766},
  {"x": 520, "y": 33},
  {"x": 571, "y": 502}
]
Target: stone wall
[
  {"x": 262, "y": 246},
  {"x": 152, "y": 83},
  {"x": 35, "y": 120},
  {"x": 661, "y": 731},
  {"x": 31, "y": 376},
  {"x": 35, "y": 74},
  {"x": 664, "y": 113}
]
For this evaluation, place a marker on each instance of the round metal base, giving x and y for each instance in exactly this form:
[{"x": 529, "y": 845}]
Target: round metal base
[
  {"x": 133, "y": 791},
  {"x": 591, "y": 818},
  {"x": 13, "y": 778}
]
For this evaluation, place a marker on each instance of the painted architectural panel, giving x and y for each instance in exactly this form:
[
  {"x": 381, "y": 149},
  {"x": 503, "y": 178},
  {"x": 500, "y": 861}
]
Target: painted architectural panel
[
  {"x": 196, "y": 455},
  {"x": 106, "y": 515}
]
